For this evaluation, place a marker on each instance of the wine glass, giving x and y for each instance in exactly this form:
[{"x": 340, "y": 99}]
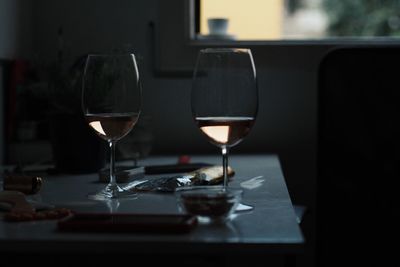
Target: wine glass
[
  {"x": 111, "y": 102},
  {"x": 224, "y": 97}
]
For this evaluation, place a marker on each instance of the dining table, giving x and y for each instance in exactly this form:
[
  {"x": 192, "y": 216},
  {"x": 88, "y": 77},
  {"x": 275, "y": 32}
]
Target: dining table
[{"x": 267, "y": 232}]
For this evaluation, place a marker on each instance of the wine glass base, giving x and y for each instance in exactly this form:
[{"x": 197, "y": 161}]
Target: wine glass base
[{"x": 112, "y": 192}]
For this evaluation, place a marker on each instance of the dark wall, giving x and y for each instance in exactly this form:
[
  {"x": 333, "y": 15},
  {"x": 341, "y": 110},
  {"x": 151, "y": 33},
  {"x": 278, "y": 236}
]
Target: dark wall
[
  {"x": 15, "y": 42},
  {"x": 15, "y": 29}
]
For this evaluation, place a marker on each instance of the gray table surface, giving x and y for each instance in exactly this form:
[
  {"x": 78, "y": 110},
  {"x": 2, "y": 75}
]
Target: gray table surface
[{"x": 270, "y": 227}]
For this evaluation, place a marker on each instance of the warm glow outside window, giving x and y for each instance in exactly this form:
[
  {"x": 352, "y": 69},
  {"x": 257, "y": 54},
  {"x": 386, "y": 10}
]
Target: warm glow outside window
[
  {"x": 302, "y": 19},
  {"x": 248, "y": 20}
]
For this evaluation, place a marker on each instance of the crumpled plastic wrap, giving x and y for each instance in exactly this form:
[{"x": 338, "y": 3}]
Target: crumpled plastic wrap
[{"x": 204, "y": 176}]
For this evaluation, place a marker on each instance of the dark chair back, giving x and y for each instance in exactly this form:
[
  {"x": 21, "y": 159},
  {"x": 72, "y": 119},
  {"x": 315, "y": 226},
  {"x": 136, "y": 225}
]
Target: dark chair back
[{"x": 358, "y": 155}]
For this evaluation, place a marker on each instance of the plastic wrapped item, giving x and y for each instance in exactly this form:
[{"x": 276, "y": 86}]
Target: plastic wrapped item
[{"x": 203, "y": 176}]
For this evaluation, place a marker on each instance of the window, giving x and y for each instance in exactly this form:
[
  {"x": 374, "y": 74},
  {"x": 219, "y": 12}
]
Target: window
[
  {"x": 181, "y": 28},
  {"x": 299, "y": 19}
]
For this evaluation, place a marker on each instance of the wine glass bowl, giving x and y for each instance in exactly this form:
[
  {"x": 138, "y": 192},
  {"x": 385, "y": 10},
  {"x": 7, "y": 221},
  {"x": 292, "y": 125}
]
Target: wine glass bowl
[
  {"x": 111, "y": 103},
  {"x": 224, "y": 97}
]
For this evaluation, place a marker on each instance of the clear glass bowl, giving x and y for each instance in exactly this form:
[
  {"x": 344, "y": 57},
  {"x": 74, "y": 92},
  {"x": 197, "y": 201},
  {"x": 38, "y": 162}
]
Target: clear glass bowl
[{"x": 209, "y": 203}]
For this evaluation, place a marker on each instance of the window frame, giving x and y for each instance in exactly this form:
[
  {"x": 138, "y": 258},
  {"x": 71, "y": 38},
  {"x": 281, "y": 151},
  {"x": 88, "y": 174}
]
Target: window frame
[{"x": 175, "y": 29}]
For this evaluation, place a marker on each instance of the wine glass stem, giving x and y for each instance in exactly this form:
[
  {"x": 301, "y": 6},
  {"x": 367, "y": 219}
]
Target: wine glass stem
[
  {"x": 113, "y": 181},
  {"x": 225, "y": 165}
]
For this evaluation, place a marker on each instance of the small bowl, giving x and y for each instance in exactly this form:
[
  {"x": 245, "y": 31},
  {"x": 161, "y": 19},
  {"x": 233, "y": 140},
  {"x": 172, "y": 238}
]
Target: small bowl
[{"x": 209, "y": 203}]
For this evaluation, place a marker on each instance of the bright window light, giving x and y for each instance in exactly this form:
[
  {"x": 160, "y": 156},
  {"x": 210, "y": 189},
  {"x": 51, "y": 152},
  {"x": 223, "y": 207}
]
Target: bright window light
[
  {"x": 301, "y": 19},
  {"x": 250, "y": 19}
]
